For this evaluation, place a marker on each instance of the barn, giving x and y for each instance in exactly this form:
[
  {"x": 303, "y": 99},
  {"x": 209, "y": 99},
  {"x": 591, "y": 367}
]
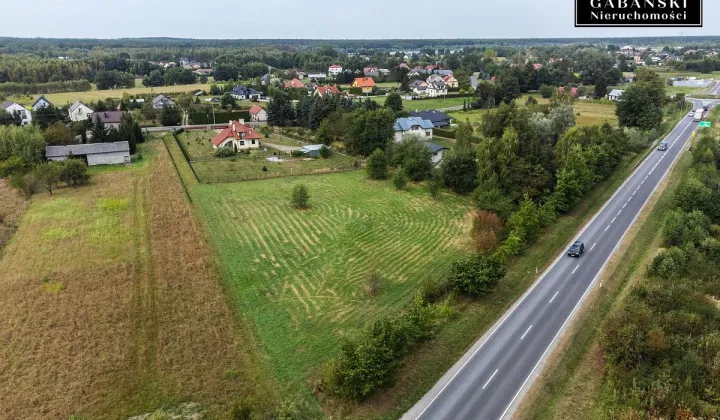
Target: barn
[{"x": 92, "y": 154}]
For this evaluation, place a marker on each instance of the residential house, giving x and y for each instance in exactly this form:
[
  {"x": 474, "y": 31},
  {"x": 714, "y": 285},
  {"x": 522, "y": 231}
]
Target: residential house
[
  {"x": 301, "y": 75},
  {"x": 437, "y": 118},
  {"x": 573, "y": 91},
  {"x": 79, "y": 111},
  {"x": 203, "y": 72},
  {"x": 435, "y": 89},
  {"x": 451, "y": 81},
  {"x": 615, "y": 94},
  {"x": 474, "y": 81},
  {"x": 413, "y": 126},
  {"x": 384, "y": 72},
  {"x": 442, "y": 72},
  {"x": 41, "y": 102},
  {"x": 241, "y": 92},
  {"x": 334, "y": 70},
  {"x": 317, "y": 76},
  {"x": 326, "y": 91},
  {"x": 371, "y": 72},
  {"x": 161, "y": 101},
  {"x": 430, "y": 68},
  {"x": 294, "y": 83},
  {"x": 238, "y": 136},
  {"x": 419, "y": 87},
  {"x": 258, "y": 114},
  {"x": 436, "y": 153},
  {"x": 312, "y": 149},
  {"x": 537, "y": 66},
  {"x": 13, "y": 108},
  {"x": 367, "y": 84},
  {"x": 109, "y": 118},
  {"x": 415, "y": 73},
  {"x": 434, "y": 78},
  {"x": 92, "y": 153},
  {"x": 404, "y": 66}
]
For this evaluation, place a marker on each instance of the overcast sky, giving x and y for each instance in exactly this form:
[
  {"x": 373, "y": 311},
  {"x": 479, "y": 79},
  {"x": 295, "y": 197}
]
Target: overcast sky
[{"x": 317, "y": 19}]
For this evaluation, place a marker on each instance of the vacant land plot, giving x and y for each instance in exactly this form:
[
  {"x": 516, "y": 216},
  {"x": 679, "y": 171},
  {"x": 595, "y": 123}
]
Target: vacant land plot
[
  {"x": 12, "y": 207},
  {"x": 586, "y": 112},
  {"x": 111, "y": 305},
  {"x": 302, "y": 276}
]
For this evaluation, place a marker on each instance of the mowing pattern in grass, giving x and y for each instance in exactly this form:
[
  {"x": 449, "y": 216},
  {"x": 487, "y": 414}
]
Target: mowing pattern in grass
[{"x": 301, "y": 275}]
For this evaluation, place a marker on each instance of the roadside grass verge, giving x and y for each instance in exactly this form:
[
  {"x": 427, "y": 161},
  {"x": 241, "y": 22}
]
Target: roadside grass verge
[
  {"x": 12, "y": 208},
  {"x": 575, "y": 371}
]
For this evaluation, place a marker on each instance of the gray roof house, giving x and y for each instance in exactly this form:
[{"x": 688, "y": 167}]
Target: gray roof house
[
  {"x": 41, "y": 102},
  {"x": 93, "y": 153},
  {"x": 312, "y": 149},
  {"x": 439, "y": 119},
  {"x": 415, "y": 126},
  {"x": 161, "y": 101},
  {"x": 436, "y": 152},
  {"x": 615, "y": 94},
  {"x": 109, "y": 118}
]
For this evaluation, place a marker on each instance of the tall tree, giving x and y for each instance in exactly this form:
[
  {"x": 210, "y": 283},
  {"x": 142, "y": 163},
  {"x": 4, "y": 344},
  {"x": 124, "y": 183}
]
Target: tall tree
[
  {"x": 394, "y": 102},
  {"x": 99, "y": 131},
  {"x": 641, "y": 104}
]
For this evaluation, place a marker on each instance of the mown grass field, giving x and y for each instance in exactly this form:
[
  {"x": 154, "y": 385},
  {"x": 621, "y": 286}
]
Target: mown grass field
[
  {"x": 590, "y": 112},
  {"x": 301, "y": 276},
  {"x": 112, "y": 305}
]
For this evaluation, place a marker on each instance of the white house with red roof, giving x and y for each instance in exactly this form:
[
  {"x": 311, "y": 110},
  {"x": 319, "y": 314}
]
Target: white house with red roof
[
  {"x": 335, "y": 69},
  {"x": 450, "y": 81},
  {"x": 326, "y": 90},
  {"x": 239, "y": 136},
  {"x": 258, "y": 114},
  {"x": 294, "y": 83}
]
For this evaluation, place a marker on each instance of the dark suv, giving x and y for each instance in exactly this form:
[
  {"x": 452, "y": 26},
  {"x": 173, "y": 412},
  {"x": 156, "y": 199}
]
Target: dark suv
[
  {"x": 662, "y": 146},
  {"x": 576, "y": 249}
]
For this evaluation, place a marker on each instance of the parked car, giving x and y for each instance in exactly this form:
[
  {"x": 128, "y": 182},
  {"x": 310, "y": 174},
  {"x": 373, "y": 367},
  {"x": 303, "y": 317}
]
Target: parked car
[
  {"x": 576, "y": 249},
  {"x": 662, "y": 146}
]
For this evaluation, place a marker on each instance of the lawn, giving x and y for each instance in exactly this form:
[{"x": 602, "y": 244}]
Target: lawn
[
  {"x": 590, "y": 112},
  {"x": 112, "y": 305},
  {"x": 301, "y": 276},
  {"x": 433, "y": 103}
]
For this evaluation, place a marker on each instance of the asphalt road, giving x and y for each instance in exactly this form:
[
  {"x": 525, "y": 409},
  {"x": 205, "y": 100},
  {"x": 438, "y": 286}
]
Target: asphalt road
[
  {"x": 490, "y": 377},
  {"x": 714, "y": 90}
]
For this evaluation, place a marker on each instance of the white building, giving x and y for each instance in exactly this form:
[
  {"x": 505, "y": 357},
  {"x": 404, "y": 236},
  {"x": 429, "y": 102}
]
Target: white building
[
  {"x": 615, "y": 94},
  {"x": 335, "y": 69},
  {"x": 413, "y": 126},
  {"x": 41, "y": 102},
  {"x": 93, "y": 153},
  {"x": 435, "y": 89},
  {"x": 13, "y": 108},
  {"x": 79, "y": 111}
]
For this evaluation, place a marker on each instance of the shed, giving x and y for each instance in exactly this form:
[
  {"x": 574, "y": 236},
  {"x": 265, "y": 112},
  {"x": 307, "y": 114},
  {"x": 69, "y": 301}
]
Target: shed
[
  {"x": 312, "y": 149},
  {"x": 93, "y": 153}
]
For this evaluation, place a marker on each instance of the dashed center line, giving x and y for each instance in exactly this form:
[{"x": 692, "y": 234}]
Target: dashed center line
[
  {"x": 591, "y": 248},
  {"x": 578, "y": 266},
  {"x": 552, "y": 298},
  {"x": 625, "y": 204},
  {"x": 488, "y": 381},
  {"x": 528, "y": 330},
  {"x": 621, "y": 210},
  {"x": 613, "y": 220},
  {"x": 608, "y": 227}
]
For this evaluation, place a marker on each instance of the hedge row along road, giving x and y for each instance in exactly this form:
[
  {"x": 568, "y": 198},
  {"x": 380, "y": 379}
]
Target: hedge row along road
[{"x": 487, "y": 381}]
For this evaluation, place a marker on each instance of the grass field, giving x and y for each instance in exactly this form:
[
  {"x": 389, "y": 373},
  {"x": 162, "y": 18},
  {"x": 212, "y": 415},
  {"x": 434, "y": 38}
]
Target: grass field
[
  {"x": 590, "y": 112},
  {"x": 301, "y": 275},
  {"x": 112, "y": 305}
]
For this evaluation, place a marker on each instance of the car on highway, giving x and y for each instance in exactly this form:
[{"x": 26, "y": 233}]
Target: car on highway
[
  {"x": 691, "y": 113},
  {"x": 576, "y": 249},
  {"x": 662, "y": 146}
]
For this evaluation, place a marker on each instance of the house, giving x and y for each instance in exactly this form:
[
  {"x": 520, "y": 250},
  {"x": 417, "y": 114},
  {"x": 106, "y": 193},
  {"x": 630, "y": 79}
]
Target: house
[
  {"x": 573, "y": 91},
  {"x": 239, "y": 136},
  {"x": 213, "y": 100},
  {"x": 334, "y": 70},
  {"x": 415, "y": 73},
  {"x": 371, "y": 72},
  {"x": 404, "y": 66},
  {"x": 442, "y": 72},
  {"x": 13, "y": 109},
  {"x": 413, "y": 126},
  {"x": 92, "y": 153},
  {"x": 294, "y": 83},
  {"x": 474, "y": 81},
  {"x": 312, "y": 149},
  {"x": 161, "y": 101},
  {"x": 79, "y": 111},
  {"x": 434, "y": 78},
  {"x": 430, "y": 68},
  {"x": 439, "y": 119},
  {"x": 450, "y": 81},
  {"x": 537, "y": 66},
  {"x": 109, "y": 118},
  {"x": 242, "y": 92},
  {"x": 41, "y": 102},
  {"x": 203, "y": 72},
  {"x": 384, "y": 72},
  {"x": 326, "y": 91},
  {"x": 258, "y": 114},
  {"x": 317, "y": 76},
  {"x": 435, "y": 89},
  {"x": 615, "y": 94},
  {"x": 436, "y": 153},
  {"x": 367, "y": 84}
]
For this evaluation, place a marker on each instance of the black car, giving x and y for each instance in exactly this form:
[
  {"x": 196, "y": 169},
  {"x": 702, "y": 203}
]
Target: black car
[
  {"x": 662, "y": 146},
  {"x": 576, "y": 249}
]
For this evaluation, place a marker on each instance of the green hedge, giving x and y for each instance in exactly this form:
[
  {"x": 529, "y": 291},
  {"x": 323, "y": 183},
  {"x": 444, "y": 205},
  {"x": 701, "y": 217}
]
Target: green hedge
[
  {"x": 441, "y": 132},
  {"x": 199, "y": 117}
]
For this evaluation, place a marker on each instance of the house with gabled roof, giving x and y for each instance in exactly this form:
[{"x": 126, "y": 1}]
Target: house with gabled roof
[
  {"x": 451, "y": 81},
  {"x": 258, "y": 114},
  {"x": 241, "y": 92},
  {"x": 14, "y": 108},
  {"x": 438, "y": 118},
  {"x": 413, "y": 126},
  {"x": 79, "y": 111},
  {"x": 367, "y": 84},
  {"x": 335, "y": 69},
  {"x": 161, "y": 101},
  {"x": 294, "y": 83},
  {"x": 41, "y": 102},
  {"x": 435, "y": 89},
  {"x": 326, "y": 90},
  {"x": 238, "y": 136}
]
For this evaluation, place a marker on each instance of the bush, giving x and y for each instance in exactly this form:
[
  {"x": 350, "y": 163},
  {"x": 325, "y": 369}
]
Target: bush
[
  {"x": 377, "y": 165},
  {"x": 25, "y": 183},
  {"x": 669, "y": 264},
  {"x": 223, "y": 152},
  {"x": 297, "y": 153},
  {"x": 14, "y": 165},
  {"x": 441, "y": 132},
  {"x": 476, "y": 276},
  {"x": 400, "y": 179},
  {"x": 325, "y": 152},
  {"x": 300, "y": 197},
  {"x": 487, "y": 228},
  {"x": 433, "y": 290},
  {"x": 74, "y": 172},
  {"x": 264, "y": 168},
  {"x": 434, "y": 183},
  {"x": 414, "y": 157},
  {"x": 460, "y": 172}
]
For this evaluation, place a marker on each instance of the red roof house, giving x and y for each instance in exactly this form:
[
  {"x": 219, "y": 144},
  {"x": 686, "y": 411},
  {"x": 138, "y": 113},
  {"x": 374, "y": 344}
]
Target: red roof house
[
  {"x": 238, "y": 135},
  {"x": 258, "y": 114},
  {"x": 367, "y": 84},
  {"x": 326, "y": 90},
  {"x": 294, "y": 83}
]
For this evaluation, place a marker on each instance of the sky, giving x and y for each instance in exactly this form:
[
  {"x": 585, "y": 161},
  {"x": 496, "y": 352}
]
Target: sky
[{"x": 315, "y": 19}]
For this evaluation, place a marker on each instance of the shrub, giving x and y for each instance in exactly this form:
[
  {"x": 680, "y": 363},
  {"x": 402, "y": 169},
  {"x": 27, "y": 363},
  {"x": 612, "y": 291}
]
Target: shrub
[
  {"x": 300, "y": 197},
  {"x": 434, "y": 289},
  {"x": 400, "y": 179},
  {"x": 297, "y": 153},
  {"x": 669, "y": 264},
  {"x": 460, "y": 172},
  {"x": 223, "y": 152},
  {"x": 25, "y": 183},
  {"x": 264, "y": 168},
  {"x": 373, "y": 283},
  {"x": 13, "y": 165},
  {"x": 413, "y": 156},
  {"x": 487, "y": 228},
  {"x": 377, "y": 165},
  {"x": 476, "y": 276},
  {"x": 325, "y": 152},
  {"x": 74, "y": 172},
  {"x": 435, "y": 183}
]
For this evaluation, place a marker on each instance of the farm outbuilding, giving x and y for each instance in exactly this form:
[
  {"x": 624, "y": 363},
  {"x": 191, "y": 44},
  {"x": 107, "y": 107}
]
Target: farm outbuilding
[
  {"x": 92, "y": 154},
  {"x": 312, "y": 149}
]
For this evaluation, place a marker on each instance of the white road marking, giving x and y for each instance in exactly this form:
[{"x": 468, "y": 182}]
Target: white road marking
[
  {"x": 591, "y": 248},
  {"x": 613, "y": 220},
  {"x": 528, "y": 330},
  {"x": 578, "y": 266},
  {"x": 551, "y": 299},
  {"x": 621, "y": 210},
  {"x": 625, "y": 204},
  {"x": 608, "y": 227},
  {"x": 488, "y": 381}
]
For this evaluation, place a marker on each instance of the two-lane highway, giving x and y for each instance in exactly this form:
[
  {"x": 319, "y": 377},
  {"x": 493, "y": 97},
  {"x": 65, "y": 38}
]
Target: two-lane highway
[{"x": 491, "y": 376}]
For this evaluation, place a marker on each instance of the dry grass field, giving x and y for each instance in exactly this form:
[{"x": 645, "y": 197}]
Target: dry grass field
[
  {"x": 112, "y": 306},
  {"x": 12, "y": 207}
]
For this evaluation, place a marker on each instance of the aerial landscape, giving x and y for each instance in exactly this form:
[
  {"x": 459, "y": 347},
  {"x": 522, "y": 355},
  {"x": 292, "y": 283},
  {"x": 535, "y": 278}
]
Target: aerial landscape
[{"x": 349, "y": 219}]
